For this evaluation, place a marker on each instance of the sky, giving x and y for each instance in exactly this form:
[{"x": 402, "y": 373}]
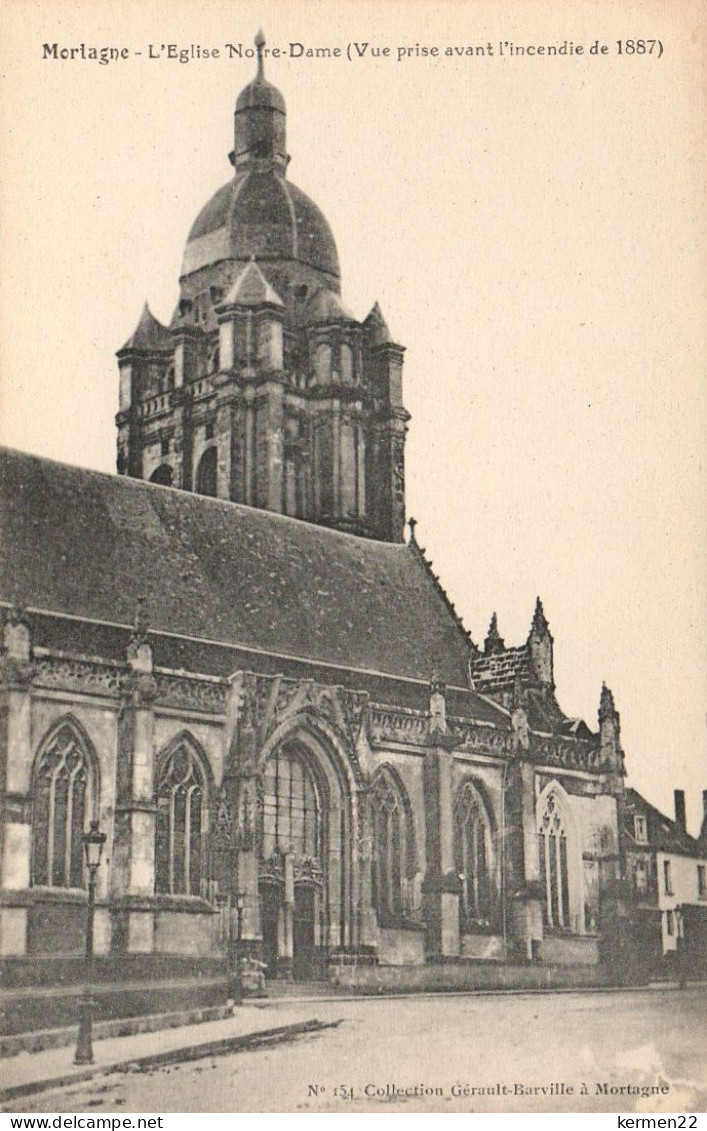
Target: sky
[{"x": 533, "y": 227}]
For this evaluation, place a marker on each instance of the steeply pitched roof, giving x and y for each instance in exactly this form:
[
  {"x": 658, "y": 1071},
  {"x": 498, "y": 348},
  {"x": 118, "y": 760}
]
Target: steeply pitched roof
[
  {"x": 664, "y": 834},
  {"x": 149, "y": 334},
  {"x": 87, "y": 544}
]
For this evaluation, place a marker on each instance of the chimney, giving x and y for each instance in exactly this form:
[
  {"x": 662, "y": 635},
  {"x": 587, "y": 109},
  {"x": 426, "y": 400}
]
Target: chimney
[
  {"x": 680, "y": 819},
  {"x": 703, "y": 830}
]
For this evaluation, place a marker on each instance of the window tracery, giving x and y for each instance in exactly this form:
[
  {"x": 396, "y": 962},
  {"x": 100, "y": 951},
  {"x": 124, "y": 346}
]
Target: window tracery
[
  {"x": 180, "y": 859},
  {"x": 63, "y": 797},
  {"x": 473, "y": 858},
  {"x": 554, "y": 872},
  {"x": 391, "y": 847},
  {"x": 291, "y": 810}
]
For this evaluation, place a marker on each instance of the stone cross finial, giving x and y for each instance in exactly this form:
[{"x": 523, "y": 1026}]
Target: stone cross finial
[{"x": 412, "y": 523}]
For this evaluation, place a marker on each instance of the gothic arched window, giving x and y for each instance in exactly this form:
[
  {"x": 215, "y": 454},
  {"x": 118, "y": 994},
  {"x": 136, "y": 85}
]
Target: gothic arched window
[
  {"x": 64, "y": 791},
  {"x": 291, "y": 809},
  {"x": 392, "y": 838},
  {"x": 473, "y": 852},
  {"x": 206, "y": 473},
  {"x": 554, "y": 873},
  {"x": 180, "y": 859}
]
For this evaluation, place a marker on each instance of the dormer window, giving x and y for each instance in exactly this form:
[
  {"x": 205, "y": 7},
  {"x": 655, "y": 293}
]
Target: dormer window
[{"x": 640, "y": 830}]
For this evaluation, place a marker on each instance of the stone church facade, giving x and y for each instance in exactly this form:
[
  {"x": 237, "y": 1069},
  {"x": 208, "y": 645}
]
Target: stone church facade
[{"x": 230, "y": 656}]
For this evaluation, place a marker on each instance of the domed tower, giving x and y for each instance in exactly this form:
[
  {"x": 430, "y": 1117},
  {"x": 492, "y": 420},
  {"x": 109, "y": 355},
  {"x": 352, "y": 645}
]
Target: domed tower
[{"x": 264, "y": 389}]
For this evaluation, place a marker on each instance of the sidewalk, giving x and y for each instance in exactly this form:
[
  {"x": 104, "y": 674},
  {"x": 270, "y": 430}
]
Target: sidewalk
[{"x": 251, "y": 1024}]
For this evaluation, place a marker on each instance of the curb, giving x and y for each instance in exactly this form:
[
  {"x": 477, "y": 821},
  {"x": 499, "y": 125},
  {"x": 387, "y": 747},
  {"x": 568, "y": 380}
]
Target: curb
[
  {"x": 221, "y": 1047},
  {"x": 39, "y": 1040},
  {"x": 382, "y": 994}
]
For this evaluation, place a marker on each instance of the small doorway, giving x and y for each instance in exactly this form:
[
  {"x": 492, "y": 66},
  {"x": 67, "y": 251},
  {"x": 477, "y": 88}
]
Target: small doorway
[
  {"x": 270, "y": 917},
  {"x": 303, "y": 933}
]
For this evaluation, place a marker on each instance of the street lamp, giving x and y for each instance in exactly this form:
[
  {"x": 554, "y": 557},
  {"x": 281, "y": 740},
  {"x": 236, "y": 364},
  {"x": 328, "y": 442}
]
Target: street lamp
[
  {"x": 93, "y": 842},
  {"x": 680, "y": 946},
  {"x": 238, "y": 984}
]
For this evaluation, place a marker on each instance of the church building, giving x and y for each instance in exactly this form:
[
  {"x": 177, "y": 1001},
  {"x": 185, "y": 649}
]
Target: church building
[{"x": 236, "y": 658}]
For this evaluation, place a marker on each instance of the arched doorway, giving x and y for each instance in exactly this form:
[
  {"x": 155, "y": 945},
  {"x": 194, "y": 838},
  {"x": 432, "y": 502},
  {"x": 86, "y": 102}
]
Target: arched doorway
[
  {"x": 293, "y": 863},
  {"x": 206, "y": 473},
  {"x": 162, "y": 475},
  {"x": 308, "y": 865}
]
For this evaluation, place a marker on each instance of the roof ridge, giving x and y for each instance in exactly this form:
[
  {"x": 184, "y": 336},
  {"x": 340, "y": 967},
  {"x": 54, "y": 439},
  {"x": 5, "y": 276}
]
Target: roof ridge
[
  {"x": 421, "y": 557},
  {"x": 129, "y": 483},
  {"x": 674, "y": 826}
]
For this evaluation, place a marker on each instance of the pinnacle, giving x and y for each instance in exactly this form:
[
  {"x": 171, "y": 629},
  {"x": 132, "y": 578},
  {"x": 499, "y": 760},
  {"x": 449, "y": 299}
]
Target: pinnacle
[
  {"x": 606, "y": 703},
  {"x": 540, "y": 622},
  {"x": 494, "y": 642}
]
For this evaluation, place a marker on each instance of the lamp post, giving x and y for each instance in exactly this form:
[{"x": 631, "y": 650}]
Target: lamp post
[
  {"x": 680, "y": 946},
  {"x": 237, "y": 981},
  {"x": 93, "y": 842}
]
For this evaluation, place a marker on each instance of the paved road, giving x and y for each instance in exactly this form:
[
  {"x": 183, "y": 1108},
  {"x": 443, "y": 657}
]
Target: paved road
[{"x": 435, "y": 1054}]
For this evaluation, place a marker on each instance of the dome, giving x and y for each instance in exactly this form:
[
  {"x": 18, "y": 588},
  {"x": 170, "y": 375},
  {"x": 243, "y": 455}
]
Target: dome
[
  {"x": 260, "y": 213},
  {"x": 326, "y": 306},
  {"x": 260, "y": 94}
]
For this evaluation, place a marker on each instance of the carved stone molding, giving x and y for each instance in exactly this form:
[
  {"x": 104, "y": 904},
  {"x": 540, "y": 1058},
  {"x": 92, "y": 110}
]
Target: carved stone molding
[
  {"x": 390, "y": 724},
  {"x": 566, "y": 753},
  {"x": 86, "y": 677},
  {"x": 191, "y": 694},
  {"x": 94, "y": 677},
  {"x": 268, "y": 701}
]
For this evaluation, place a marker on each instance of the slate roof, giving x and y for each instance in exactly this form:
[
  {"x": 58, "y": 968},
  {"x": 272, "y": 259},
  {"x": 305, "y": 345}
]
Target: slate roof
[
  {"x": 664, "y": 834},
  {"x": 88, "y": 544},
  {"x": 377, "y": 325},
  {"x": 263, "y": 214},
  {"x": 149, "y": 334}
]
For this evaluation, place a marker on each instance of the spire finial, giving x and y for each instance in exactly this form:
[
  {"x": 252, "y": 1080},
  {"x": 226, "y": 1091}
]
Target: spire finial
[
  {"x": 540, "y": 624},
  {"x": 259, "y": 45},
  {"x": 494, "y": 642},
  {"x": 607, "y": 707}
]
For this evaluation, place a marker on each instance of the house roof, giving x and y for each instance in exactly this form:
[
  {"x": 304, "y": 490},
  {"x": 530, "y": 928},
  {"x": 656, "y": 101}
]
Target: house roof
[
  {"x": 88, "y": 545},
  {"x": 664, "y": 834}
]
